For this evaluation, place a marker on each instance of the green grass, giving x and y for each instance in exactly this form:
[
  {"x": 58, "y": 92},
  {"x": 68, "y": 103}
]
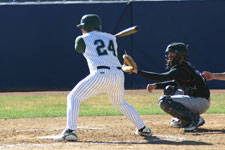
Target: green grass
[
  {"x": 217, "y": 104},
  {"x": 100, "y": 105},
  {"x": 32, "y": 106}
]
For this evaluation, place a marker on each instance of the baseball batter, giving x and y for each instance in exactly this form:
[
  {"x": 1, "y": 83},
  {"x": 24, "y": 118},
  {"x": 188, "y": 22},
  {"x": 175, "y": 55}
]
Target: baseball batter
[
  {"x": 100, "y": 50},
  {"x": 186, "y": 95}
]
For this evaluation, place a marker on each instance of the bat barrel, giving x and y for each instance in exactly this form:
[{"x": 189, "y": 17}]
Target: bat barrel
[{"x": 128, "y": 31}]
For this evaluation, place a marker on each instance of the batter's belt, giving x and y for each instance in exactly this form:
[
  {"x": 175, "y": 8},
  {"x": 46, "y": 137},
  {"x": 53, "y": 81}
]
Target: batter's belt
[{"x": 106, "y": 67}]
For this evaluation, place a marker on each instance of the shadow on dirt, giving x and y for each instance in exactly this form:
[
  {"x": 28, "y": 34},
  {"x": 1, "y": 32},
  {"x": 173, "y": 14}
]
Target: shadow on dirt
[
  {"x": 209, "y": 131},
  {"x": 152, "y": 140}
]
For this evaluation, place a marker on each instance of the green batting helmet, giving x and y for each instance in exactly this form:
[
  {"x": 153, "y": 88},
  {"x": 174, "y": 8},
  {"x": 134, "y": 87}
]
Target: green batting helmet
[{"x": 90, "y": 22}]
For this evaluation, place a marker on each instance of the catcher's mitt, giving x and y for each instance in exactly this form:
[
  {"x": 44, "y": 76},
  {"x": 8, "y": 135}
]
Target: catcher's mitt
[{"x": 129, "y": 64}]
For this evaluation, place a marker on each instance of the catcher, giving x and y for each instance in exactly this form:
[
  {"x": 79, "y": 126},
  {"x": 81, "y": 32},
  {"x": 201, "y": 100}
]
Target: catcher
[{"x": 186, "y": 95}]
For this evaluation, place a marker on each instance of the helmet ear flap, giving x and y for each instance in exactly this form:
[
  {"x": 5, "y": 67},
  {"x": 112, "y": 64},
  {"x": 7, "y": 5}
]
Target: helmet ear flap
[{"x": 87, "y": 28}]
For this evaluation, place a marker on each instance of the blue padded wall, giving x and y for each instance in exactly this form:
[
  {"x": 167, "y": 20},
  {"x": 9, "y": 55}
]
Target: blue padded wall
[{"x": 37, "y": 40}]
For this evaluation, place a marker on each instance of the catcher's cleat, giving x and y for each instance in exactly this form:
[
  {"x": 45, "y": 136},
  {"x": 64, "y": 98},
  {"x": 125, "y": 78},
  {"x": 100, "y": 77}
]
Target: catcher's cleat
[
  {"x": 177, "y": 123},
  {"x": 145, "y": 131},
  {"x": 195, "y": 124},
  {"x": 67, "y": 135}
]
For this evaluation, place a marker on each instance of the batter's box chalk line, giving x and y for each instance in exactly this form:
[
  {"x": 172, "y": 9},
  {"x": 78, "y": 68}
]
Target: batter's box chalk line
[
  {"x": 162, "y": 138},
  {"x": 28, "y": 145}
]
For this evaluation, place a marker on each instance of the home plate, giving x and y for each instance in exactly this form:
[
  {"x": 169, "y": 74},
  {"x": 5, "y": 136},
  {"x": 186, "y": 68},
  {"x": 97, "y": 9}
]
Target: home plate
[
  {"x": 48, "y": 137},
  {"x": 170, "y": 137}
]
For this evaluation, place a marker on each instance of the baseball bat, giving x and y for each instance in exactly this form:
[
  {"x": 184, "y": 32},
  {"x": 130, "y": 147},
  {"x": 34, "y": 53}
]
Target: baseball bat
[{"x": 128, "y": 31}]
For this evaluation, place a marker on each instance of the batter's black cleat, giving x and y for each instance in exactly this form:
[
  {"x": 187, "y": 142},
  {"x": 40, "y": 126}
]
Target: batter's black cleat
[
  {"x": 67, "y": 135},
  {"x": 145, "y": 131},
  {"x": 177, "y": 123},
  {"x": 195, "y": 124}
]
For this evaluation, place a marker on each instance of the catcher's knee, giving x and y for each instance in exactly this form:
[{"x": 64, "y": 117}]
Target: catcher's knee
[
  {"x": 165, "y": 103},
  {"x": 175, "y": 109}
]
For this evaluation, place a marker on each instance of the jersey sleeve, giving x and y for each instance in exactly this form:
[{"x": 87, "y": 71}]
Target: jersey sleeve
[
  {"x": 157, "y": 77},
  {"x": 162, "y": 85},
  {"x": 173, "y": 74},
  {"x": 80, "y": 44}
]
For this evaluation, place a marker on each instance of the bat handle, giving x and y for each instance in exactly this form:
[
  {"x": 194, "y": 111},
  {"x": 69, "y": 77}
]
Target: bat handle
[{"x": 125, "y": 52}]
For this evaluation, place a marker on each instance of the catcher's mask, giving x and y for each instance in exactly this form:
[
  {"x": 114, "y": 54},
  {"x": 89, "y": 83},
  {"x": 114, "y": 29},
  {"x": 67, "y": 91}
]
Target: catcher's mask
[
  {"x": 90, "y": 22},
  {"x": 181, "y": 51}
]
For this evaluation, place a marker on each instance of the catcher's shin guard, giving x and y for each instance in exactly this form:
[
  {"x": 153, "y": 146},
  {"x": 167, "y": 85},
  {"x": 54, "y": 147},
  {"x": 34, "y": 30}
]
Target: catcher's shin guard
[{"x": 176, "y": 109}]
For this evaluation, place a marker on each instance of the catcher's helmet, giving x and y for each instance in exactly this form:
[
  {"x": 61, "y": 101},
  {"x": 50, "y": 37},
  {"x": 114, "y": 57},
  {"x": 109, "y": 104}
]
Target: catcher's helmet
[
  {"x": 181, "y": 51},
  {"x": 90, "y": 22}
]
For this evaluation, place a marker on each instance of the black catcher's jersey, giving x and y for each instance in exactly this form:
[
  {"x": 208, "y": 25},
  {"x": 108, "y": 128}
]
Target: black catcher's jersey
[{"x": 183, "y": 76}]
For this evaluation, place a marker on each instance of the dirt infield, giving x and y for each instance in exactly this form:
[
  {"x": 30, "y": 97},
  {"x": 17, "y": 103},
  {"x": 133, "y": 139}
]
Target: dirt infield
[{"x": 115, "y": 132}]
